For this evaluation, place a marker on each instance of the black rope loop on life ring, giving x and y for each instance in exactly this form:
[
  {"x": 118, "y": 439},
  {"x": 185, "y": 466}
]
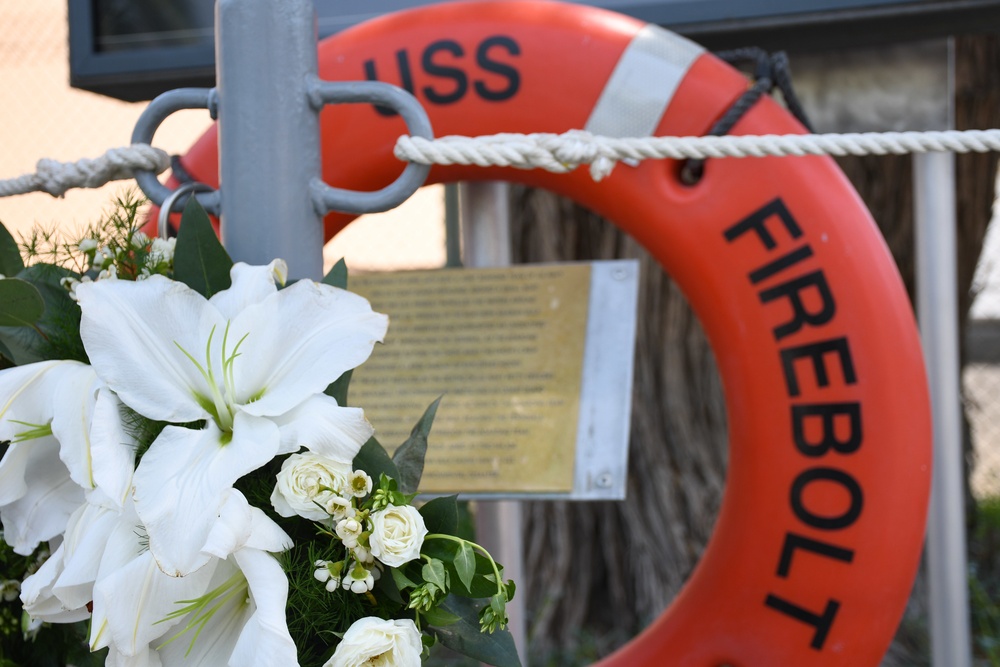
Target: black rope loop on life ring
[{"x": 771, "y": 71}]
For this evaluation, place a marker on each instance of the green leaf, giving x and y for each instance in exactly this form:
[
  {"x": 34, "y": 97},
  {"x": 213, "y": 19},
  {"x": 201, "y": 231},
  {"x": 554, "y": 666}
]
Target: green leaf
[
  {"x": 464, "y": 636},
  {"x": 441, "y": 515},
  {"x": 5, "y": 352},
  {"x": 409, "y": 457},
  {"x": 23, "y": 345},
  {"x": 200, "y": 261},
  {"x": 510, "y": 587},
  {"x": 434, "y": 573},
  {"x": 337, "y": 277},
  {"x": 338, "y": 388},
  {"x": 373, "y": 459},
  {"x": 483, "y": 584},
  {"x": 21, "y": 303},
  {"x": 388, "y": 588},
  {"x": 10, "y": 254},
  {"x": 439, "y": 617},
  {"x": 465, "y": 564},
  {"x": 401, "y": 580},
  {"x": 60, "y": 323}
]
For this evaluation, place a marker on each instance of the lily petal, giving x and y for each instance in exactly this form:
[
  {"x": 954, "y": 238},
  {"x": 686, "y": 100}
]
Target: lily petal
[
  {"x": 325, "y": 428},
  {"x": 251, "y": 284},
  {"x": 74, "y": 395},
  {"x": 112, "y": 449},
  {"x": 335, "y": 329},
  {"x": 183, "y": 480},
  {"x": 58, "y": 395},
  {"x": 49, "y": 394},
  {"x": 129, "y": 326},
  {"x": 145, "y": 658},
  {"x": 132, "y": 597},
  {"x": 137, "y": 597},
  {"x": 265, "y": 640},
  {"x": 241, "y": 525},
  {"x": 86, "y": 539},
  {"x": 216, "y": 640},
  {"x": 39, "y": 601},
  {"x": 50, "y": 496},
  {"x": 26, "y": 397},
  {"x": 13, "y": 468}
]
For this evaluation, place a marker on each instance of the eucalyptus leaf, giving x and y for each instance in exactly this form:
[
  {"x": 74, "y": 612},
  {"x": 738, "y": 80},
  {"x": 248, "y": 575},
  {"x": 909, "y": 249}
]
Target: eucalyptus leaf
[
  {"x": 337, "y": 276},
  {"x": 387, "y": 587},
  {"x": 338, "y": 388},
  {"x": 439, "y": 617},
  {"x": 373, "y": 459},
  {"x": 464, "y": 636},
  {"x": 60, "y": 324},
  {"x": 409, "y": 457},
  {"x": 10, "y": 254},
  {"x": 465, "y": 564},
  {"x": 49, "y": 274},
  {"x": 21, "y": 304},
  {"x": 23, "y": 345},
  {"x": 441, "y": 515},
  {"x": 6, "y": 353},
  {"x": 200, "y": 261}
]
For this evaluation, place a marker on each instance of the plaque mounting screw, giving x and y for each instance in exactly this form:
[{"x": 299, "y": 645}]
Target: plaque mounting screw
[
  {"x": 619, "y": 274},
  {"x": 604, "y": 480}
]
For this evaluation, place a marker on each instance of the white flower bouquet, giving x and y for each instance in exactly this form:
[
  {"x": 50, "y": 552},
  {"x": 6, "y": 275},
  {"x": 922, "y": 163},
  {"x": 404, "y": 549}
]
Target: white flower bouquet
[{"x": 181, "y": 474}]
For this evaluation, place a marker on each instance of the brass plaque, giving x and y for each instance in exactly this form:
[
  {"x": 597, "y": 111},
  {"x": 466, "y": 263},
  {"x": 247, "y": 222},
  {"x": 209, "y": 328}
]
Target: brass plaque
[{"x": 505, "y": 348}]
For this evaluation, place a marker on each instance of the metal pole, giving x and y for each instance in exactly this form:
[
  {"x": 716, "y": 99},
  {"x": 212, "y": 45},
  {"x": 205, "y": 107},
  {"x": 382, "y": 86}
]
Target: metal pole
[
  {"x": 269, "y": 149},
  {"x": 937, "y": 308},
  {"x": 485, "y": 220},
  {"x": 452, "y": 227}
]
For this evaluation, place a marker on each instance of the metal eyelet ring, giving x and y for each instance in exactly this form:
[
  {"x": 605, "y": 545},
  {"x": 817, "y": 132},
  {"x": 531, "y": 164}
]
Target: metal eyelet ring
[{"x": 166, "y": 209}]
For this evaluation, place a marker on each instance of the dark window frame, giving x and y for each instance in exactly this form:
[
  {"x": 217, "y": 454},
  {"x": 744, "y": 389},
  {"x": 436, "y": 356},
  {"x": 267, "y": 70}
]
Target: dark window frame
[{"x": 717, "y": 24}]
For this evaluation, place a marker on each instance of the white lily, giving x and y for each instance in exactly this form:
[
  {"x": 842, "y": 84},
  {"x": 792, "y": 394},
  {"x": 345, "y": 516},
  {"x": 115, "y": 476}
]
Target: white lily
[
  {"x": 62, "y": 588},
  {"x": 252, "y": 361},
  {"x": 232, "y": 611},
  {"x": 45, "y": 413}
]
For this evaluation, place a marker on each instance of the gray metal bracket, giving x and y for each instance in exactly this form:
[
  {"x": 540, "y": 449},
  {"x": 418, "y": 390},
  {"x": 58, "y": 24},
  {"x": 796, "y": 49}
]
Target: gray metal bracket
[
  {"x": 327, "y": 198},
  {"x": 145, "y": 128}
]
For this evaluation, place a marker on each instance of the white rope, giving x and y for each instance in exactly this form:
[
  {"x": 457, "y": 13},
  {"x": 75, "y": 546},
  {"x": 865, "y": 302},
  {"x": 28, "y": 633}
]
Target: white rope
[
  {"x": 558, "y": 153},
  {"x": 562, "y": 153},
  {"x": 58, "y": 177}
]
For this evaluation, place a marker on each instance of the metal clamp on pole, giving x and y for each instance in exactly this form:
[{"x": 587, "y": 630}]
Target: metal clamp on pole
[
  {"x": 173, "y": 199},
  {"x": 158, "y": 110},
  {"x": 327, "y": 198}
]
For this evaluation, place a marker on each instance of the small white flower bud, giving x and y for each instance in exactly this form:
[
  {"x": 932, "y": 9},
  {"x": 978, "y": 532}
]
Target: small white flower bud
[{"x": 349, "y": 530}]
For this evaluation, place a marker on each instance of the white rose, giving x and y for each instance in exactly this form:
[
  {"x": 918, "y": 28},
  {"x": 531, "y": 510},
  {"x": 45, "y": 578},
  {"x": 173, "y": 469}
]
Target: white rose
[
  {"x": 305, "y": 480},
  {"x": 373, "y": 641},
  {"x": 397, "y": 535}
]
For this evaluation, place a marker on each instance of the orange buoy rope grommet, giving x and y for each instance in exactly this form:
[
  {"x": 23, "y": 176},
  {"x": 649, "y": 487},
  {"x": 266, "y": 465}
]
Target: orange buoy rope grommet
[{"x": 822, "y": 522}]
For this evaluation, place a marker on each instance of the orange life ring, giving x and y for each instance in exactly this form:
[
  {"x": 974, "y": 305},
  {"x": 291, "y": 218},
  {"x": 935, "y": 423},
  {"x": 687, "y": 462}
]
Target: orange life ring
[{"x": 819, "y": 535}]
